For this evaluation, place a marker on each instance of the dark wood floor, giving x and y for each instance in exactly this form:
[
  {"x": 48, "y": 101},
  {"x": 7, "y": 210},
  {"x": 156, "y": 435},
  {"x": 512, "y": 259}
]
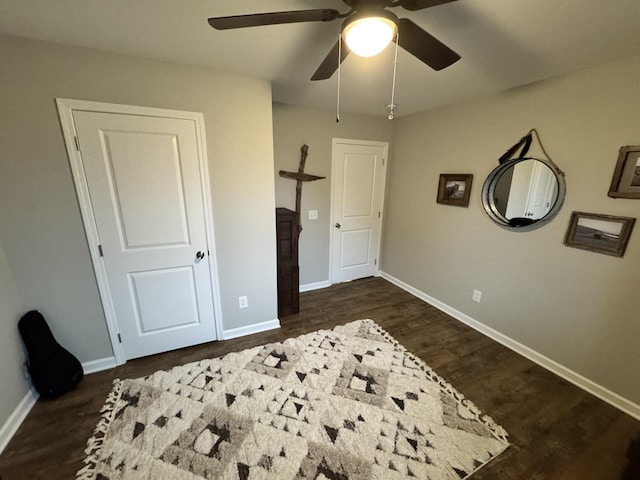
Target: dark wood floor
[{"x": 557, "y": 431}]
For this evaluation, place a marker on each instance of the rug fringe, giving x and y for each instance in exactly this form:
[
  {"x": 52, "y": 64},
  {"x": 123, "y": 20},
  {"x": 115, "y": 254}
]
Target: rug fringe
[
  {"x": 496, "y": 430},
  {"x": 94, "y": 444}
]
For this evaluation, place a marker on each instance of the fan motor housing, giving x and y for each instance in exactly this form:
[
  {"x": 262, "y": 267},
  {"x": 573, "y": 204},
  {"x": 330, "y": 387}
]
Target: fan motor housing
[
  {"x": 368, "y": 13},
  {"x": 367, "y": 4}
]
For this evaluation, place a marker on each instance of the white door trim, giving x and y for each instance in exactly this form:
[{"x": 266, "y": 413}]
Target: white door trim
[
  {"x": 334, "y": 142},
  {"x": 65, "y": 112}
]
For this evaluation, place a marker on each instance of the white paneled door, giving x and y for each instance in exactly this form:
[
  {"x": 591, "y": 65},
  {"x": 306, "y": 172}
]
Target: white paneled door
[
  {"x": 145, "y": 185},
  {"x": 358, "y": 183},
  {"x": 542, "y": 191}
]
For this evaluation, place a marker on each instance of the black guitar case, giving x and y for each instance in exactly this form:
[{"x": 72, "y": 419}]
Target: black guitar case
[
  {"x": 53, "y": 369},
  {"x": 632, "y": 471}
]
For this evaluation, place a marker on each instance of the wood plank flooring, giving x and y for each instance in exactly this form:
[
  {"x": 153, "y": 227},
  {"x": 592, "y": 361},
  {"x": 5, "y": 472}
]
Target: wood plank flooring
[{"x": 557, "y": 431}]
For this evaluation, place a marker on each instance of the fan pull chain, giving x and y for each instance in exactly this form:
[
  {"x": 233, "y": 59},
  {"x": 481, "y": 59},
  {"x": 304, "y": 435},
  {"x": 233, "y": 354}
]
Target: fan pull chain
[
  {"x": 392, "y": 105},
  {"x": 338, "y": 95}
]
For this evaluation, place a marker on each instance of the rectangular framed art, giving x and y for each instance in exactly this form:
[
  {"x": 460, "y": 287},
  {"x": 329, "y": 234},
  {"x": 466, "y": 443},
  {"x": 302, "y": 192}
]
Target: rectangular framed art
[
  {"x": 599, "y": 233},
  {"x": 455, "y": 189},
  {"x": 626, "y": 177}
]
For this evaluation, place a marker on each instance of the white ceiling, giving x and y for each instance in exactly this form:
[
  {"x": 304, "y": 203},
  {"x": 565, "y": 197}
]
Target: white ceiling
[{"x": 503, "y": 43}]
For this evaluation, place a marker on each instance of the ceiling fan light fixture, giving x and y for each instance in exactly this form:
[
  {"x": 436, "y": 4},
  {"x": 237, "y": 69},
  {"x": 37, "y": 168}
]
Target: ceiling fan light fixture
[{"x": 367, "y": 36}]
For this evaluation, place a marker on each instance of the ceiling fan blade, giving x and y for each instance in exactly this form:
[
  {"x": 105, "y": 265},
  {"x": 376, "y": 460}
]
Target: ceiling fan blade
[
  {"x": 414, "y": 5},
  {"x": 424, "y": 46},
  {"x": 330, "y": 62},
  {"x": 273, "y": 18}
]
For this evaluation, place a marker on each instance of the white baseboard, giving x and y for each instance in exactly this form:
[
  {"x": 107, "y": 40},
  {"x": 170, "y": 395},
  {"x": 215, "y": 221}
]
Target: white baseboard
[
  {"x": 99, "y": 365},
  {"x": 10, "y": 427},
  {"x": 250, "y": 329},
  {"x": 612, "y": 398},
  {"x": 14, "y": 421},
  {"x": 307, "y": 287}
]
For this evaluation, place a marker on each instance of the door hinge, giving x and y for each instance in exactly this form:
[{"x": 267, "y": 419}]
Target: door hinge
[
  {"x": 75, "y": 138},
  {"x": 378, "y": 214},
  {"x": 100, "y": 250},
  {"x": 375, "y": 261},
  {"x": 383, "y": 161},
  {"x": 119, "y": 338}
]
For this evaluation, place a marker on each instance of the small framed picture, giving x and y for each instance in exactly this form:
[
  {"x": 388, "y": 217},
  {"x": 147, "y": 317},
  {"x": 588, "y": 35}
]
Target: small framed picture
[
  {"x": 626, "y": 177},
  {"x": 455, "y": 189},
  {"x": 599, "y": 233}
]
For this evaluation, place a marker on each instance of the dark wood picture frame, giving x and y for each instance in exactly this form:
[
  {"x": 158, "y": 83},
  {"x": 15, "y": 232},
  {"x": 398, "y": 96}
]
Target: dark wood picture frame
[
  {"x": 606, "y": 234},
  {"x": 455, "y": 189},
  {"x": 626, "y": 176}
]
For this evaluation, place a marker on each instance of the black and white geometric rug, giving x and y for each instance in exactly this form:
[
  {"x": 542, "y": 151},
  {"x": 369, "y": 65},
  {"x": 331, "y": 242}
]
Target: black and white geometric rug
[{"x": 344, "y": 404}]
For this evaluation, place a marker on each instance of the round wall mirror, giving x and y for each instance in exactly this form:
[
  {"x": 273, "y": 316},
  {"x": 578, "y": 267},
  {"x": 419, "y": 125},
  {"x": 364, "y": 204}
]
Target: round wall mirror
[{"x": 523, "y": 193}]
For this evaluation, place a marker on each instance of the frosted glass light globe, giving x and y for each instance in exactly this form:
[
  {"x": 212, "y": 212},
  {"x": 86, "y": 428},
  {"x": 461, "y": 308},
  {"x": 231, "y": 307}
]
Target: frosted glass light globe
[{"x": 369, "y": 36}]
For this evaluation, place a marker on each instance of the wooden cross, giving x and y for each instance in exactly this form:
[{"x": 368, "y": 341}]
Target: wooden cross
[{"x": 300, "y": 177}]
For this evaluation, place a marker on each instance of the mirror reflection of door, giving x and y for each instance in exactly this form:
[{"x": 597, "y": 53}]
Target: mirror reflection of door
[
  {"x": 529, "y": 189},
  {"x": 542, "y": 191}
]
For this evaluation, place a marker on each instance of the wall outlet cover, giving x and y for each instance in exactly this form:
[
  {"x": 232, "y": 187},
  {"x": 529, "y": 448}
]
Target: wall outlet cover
[{"x": 477, "y": 295}]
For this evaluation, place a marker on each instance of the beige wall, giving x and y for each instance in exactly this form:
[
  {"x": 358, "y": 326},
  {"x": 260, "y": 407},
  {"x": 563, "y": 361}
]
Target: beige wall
[
  {"x": 293, "y": 127},
  {"x": 14, "y": 385},
  {"x": 40, "y": 223},
  {"x": 576, "y": 307},
  {"x": 573, "y": 306}
]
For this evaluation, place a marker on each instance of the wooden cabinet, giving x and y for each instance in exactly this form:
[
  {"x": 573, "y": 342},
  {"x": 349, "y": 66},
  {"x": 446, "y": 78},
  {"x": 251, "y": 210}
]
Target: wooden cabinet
[{"x": 288, "y": 270}]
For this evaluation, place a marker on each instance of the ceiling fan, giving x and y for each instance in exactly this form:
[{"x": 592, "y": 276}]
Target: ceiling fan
[{"x": 410, "y": 36}]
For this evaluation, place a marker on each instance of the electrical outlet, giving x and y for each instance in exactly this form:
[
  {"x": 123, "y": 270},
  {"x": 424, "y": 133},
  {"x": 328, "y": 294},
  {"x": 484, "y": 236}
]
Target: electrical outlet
[
  {"x": 477, "y": 295},
  {"x": 313, "y": 214},
  {"x": 243, "y": 302}
]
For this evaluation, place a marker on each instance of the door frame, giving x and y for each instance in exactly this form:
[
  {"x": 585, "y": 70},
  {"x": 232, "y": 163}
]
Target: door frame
[
  {"x": 385, "y": 146},
  {"x": 66, "y": 107}
]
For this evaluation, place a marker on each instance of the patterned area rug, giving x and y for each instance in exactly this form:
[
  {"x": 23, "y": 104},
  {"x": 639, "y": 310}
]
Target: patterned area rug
[{"x": 344, "y": 404}]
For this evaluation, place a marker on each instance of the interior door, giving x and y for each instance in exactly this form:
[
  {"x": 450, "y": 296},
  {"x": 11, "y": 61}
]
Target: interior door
[
  {"x": 358, "y": 183},
  {"x": 533, "y": 191},
  {"x": 144, "y": 180},
  {"x": 543, "y": 189}
]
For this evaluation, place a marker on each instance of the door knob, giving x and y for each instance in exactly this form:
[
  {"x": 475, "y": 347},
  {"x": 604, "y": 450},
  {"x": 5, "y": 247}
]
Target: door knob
[
  {"x": 200, "y": 255},
  {"x": 338, "y": 225}
]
